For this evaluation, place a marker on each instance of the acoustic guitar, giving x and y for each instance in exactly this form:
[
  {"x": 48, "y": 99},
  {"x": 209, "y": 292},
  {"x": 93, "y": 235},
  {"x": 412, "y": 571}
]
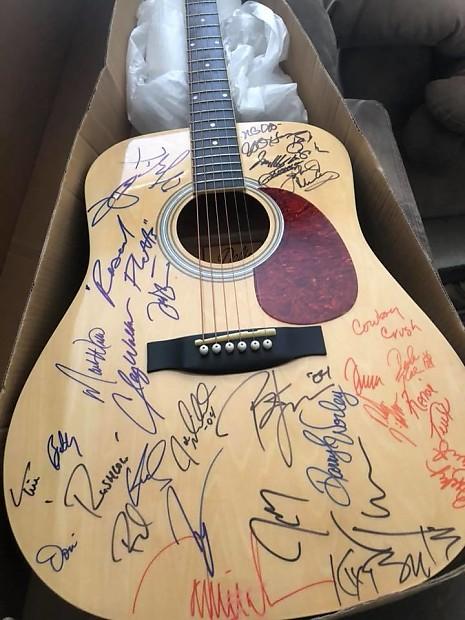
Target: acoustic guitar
[{"x": 241, "y": 414}]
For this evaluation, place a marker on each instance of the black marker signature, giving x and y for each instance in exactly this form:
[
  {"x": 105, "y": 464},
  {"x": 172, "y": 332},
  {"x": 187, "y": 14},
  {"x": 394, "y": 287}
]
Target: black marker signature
[
  {"x": 149, "y": 463},
  {"x": 136, "y": 406},
  {"x": 28, "y": 486},
  {"x": 120, "y": 198},
  {"x": 200, "y": 536},
  {"x": 55, "y": 555},
  {"x": 361, "y": 564},
  {"x": 197, "y": 414},
  {"x": 331, "y": 480},
  {"x": 80, "y": 478},
  {"x": 379, "y": 511},
  {"x": 104, "y": 287},
  {"x": 269, "y": 404},
  {"x": 270, "y": 498},
  {"x": 134, "y": 264},
  {"x": 96, "y": 349},
  {"x": 128, "y": 529},
  {"x": 164, "y": 296}
]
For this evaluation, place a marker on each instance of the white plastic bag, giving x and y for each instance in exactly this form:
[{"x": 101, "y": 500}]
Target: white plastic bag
[{"x": 255, "y": 42}]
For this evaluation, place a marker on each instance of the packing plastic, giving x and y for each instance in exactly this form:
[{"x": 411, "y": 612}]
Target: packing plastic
[{"x": 255, "y": 41}]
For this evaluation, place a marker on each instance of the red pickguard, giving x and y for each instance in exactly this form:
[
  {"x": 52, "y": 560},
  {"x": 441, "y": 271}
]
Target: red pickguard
[{"x": 310, "y": 278}]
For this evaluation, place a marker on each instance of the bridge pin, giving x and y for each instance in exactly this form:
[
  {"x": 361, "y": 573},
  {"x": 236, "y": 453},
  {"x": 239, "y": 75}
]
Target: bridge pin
[
  {"x": 254, "y": 345},
  {"x": 203, "y": 350},
  {"x": 241, "y": 346},
  {"x": 267, "y": 344},
  {"x": 229, "y": 347},
  {"x": 216, "y": 348}
]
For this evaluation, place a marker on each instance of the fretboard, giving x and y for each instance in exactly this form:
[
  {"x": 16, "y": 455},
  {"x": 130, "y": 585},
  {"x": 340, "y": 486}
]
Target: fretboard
[{"x": 215, "y": 150}]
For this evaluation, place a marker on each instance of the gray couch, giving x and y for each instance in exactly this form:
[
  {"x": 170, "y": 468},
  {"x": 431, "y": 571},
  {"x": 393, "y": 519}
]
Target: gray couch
[
  {"x": 410, "y": 56},
  {"x": 381, "y": 55}
]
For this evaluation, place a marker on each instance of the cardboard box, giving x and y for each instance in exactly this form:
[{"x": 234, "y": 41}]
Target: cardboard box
[
  {"x": 51, "y": 55},
  {"x": 43, "y": 247}
]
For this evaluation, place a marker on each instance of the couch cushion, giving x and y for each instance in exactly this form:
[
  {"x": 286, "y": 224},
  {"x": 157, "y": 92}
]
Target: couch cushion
[
  {"x": 394, "y": 76},
  {"x": 435, "y": 23},
  {"x": 445, "y": 100},
  {"x": 429, "y": 143}
]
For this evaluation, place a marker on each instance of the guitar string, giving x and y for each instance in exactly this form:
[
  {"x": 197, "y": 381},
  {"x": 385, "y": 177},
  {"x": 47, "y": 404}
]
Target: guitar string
[
  {"x": 220, "y": 247},
  {"x": 234, "y": 193},
  {"x": 222, "y": 132},
  {"x": 211, "y": 124},
  {"x": 206, "y": 194},
  {"x": 215, "y": 195},
  {"x": 245, "y": 211},
  {"x": 194, "y": 167}
]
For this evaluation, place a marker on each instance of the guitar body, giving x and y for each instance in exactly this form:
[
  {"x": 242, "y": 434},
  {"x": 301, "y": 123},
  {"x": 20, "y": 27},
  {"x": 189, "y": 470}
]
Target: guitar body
[{"x": 279, "y": 492}]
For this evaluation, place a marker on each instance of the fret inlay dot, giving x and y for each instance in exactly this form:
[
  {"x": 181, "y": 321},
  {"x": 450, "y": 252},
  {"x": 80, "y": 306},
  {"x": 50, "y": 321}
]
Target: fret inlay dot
[
  {"x": 225, "y": 94},
  {"x": 195, "y": 97},
  {"x": 212, "y": 124},
  {"x": 207, "y": 64},
  {"x": 215, "y": 142},
  {"x": 192, "y": 44}
]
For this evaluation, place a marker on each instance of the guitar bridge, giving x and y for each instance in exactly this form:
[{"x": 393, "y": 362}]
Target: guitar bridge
[{"x": 241, "y": 351}]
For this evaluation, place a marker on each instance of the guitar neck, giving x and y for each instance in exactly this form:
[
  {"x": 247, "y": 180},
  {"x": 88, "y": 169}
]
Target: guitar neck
[{"x": 215, "y": 150}]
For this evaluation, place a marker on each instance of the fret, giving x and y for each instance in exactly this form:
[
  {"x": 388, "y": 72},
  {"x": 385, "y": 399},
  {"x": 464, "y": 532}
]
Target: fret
[
  {"x": 208, "y": 70},
  {"x": 203, "y": 25},
  {"x": 217, "y": 140},
  {"x": 226, "y": 150},
  {"x": 213, "y": 101},
  {"x": 219, "y": 181},
  {"x": 218, "y": 184},
  {"x": 211, "y": 117},
  {"x": 221, "y": 85},
  {"x": 201, "y": 144},
  {"x": 215, "y": 130},
  {"x": 214, "y": 110},
  {"x": 215, "y": 170},
  {"x": 203, "y": 15},
  {"x": 210, "y": 90},
  {"x": 202, "y": 167},
  {"x": 228, "y": 154},
  {"x": 213, "y": 79},
  {"x": 202, "y": 49},
  {"x": 210, "y": 36},
  {"x": 223, "y": 90},
  {"x": 209, "y": 60}
]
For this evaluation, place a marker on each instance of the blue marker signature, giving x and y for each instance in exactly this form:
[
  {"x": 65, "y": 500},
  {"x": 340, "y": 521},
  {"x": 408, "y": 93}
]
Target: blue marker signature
[
  {"x": 63, "y": 444},
  {"x": 55, "y": 555}
]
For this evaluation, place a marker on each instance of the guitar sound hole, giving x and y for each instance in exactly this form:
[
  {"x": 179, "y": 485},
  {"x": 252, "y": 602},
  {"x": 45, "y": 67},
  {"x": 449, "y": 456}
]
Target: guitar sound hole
[{"x": 232, "y": 226}]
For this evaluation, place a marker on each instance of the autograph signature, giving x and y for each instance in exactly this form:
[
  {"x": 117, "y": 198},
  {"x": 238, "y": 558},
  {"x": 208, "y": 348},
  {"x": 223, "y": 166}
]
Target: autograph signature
[{"x": 159, "y": 166}]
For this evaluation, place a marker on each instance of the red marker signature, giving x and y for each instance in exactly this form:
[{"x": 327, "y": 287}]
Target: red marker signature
[
  {"x": 391, "y": 417},
  {"x": 390, "y": 332},
  {"x": 212, "y": 600},
  {"x": 363, "y": 327},
  {"x": 360, "y": 381}
]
